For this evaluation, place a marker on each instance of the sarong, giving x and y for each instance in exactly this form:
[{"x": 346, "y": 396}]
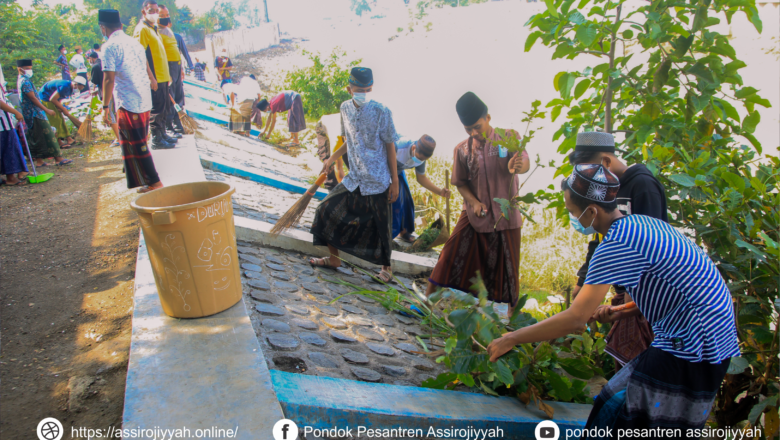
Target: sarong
[
  {"x": 658, "y": 390},
  {"x": 356, "y": 224},
  {"x": 295, "y": 120},
  {"x": 139, "y": 166},
  {"x": 403, "y": 208},
  {"x": 57, "y": 121},
  {"x": 257, "y": 115},
  {"x": 628, "y": 337},
  {"x": 40, "y": 138},
  {"x": 240, "y": 117},
  {"x": 495, "y": 255},
  {"x": 11, "y": 155}
]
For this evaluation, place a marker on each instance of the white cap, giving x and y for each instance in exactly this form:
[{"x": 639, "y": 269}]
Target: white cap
[{"x": 80, "y": 80}]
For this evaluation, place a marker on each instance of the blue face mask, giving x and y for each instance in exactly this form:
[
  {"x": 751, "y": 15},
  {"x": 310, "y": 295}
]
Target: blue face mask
[
  {"x": 361, "y": 99},
  {"x": 417, "y": 162},
  {"x": 575, "y": 223}
]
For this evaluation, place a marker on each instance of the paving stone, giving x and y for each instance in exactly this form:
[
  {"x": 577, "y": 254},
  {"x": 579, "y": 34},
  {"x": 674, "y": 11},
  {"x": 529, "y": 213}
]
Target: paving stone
[
  {"x": 298, "y": 310},
  {"x": 423, "y": 365},
  {"x": 365, "y": 299},
  {"x": 314, "y": 288},
  {"x": 401, "y": 280},
  {"x": 305, "y": 323},
  {"x": 384, "y": 350},
  {"x": 303, "y": 270},
  {"x": 359, "y": 320},
  {"x": 334, "y": 323},
  {"x": 393, "y": 371},
  {"x": 365, "y": 374},
  {"x": 284, "y": 276},
  {"x": 286, "y": 287},
  {"x": 409, "y": 348},
  {"x": 384, "y": 320},
  {"x": 376, "y": 310},
  {"x": 416, "y": 331},
  {"x": 281, "y": 341},
  {"x": 277, "y": 326},
  {"x": 269, "y": 310},
  {"x": 328, "y": 310},
  {"x": 252, "y": 267},
  {"x": 239, "y": 242},
  {"x": 308, "y": 279},
  {"x": 323, "y": 360},
  {"x": 275, "y": 260},
  {"x": 377, "y": 287},
  {"x": 247, "y": 250},
  {"x": 275, "y": 266},
  {"x": 397, "y": 334},
  {"x": 366, "y": 278},
  {"x": 353, "y": 357},
  {"x": 352, "y": 280},
  {"x": 325, "y": 270},
  {"x": 404, "y": 319},
  {"x": 343, "y": 270},
  {"x": 403, "y": 383},
  {"x": 352, "y": 309},
  {"x": 338, "y": 288},
  {"x": 293, "y": 258},
  {"x": 261, "y": 297},
  {"x": 347, "y": 299},
  {"x": 369, "y": 334},
  {"x": 271, "y": 251},
  {"x": 253, "y": 275},
  {"x": 259, "y": 283},
  {"x": 341, "y": 337},
  {"x": 312, "y": 338},
  {"x": 250, "y": 259}
]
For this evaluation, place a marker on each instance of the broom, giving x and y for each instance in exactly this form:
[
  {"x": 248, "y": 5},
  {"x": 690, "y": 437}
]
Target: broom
[
  {"x": 295, "y": 213},
  {"x": 189, "y": 124},
  {"x": 85, "y": 130}
]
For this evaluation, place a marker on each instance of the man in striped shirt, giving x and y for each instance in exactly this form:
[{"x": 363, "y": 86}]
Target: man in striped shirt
[{"x": 676, "y": 287}]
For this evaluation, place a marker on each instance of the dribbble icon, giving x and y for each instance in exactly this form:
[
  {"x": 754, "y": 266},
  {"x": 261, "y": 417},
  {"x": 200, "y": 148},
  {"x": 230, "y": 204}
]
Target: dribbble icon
[
  {"x": 49, "y": 429},
  {"x": 547, "y": 430},
  {"x": 285, "y": 430}
]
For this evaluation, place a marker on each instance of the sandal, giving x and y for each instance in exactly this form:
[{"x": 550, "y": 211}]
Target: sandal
[
  {"x": 385, "y": 276},
  {"x": 322, "y": 262},
  {"x": 409, "y": 238},
  {"x": 43, "y": 165},
  {"x": 65, "y": 162},
  {"x": 19, "y": 183}
]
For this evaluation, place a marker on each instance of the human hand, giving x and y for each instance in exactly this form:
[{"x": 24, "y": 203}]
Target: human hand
[
  {"x": 392, "y": 194},
  {"x": 49, "y": 112},
  {"x": 575, "y": 291},
  {"x": 479, "y": 208},
  {"x": 19, "y": 116},
  {"x": 604, "y": 314},
  {"x": 326, "y": 165},
  {"x": 499, "y": 347},
  {"x": 106, "y": 118},
  {"x": 153, "y": 84},
  {"x": 444, "y": 192},
  {"x": 516, "y": 163}
]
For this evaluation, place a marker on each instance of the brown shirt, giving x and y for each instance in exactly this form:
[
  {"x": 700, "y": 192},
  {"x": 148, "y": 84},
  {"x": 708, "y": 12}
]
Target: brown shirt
[{"x": 478, "y": 165}]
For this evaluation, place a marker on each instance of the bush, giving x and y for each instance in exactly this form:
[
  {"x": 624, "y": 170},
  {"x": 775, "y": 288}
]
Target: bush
[{"x": 322, "y": 85}]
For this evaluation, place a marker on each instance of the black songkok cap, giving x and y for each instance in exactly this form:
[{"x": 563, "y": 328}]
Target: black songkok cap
[
  {"x": 109, "y": 16},
  {"x": 470, "y": 108},
  {"x": 361, "y": 77},
  {"x": 596, "y": 142},
  {"x": 23, "y": 63},
  {"x": 594, "y": 182},
  {"x": 60, "y": 48}
]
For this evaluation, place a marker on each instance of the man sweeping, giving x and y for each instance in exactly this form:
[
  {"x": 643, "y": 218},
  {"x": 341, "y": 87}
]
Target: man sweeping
[
  {"x": 126, "y": 81},
  {"x": 52, "y": 93},
  {"x": 287, "y": 101},
  {"x": 355, "y": 216},
  {"x": 482, "y": 240},
  {"x": 223, "y": 65},
  {"x": 243, "y": 96},
  {"x": 40, "y": 136},
  {"x": 640, "y": 193},
  {"x": 412, "y": 154}
]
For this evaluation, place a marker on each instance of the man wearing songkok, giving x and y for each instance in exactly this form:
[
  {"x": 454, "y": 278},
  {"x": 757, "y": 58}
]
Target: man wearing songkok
[
  {"x": 40, "y": 135},
  {"x": 674, "y": 284},
  {"x": 482, "y": 240},
  {"x": 640, "y": 193},
  {"x": 126, "y": 81},
  {"x": 51, "y": 94},
  {"x": 411, "y": 153},
  {"x": 147, "y": 33},
  {"x": 355, "y": 216},
  {"x": 287, "y": 101},
  {"x": 172, "y": 122},
  {"x": 243, "y": 97}
]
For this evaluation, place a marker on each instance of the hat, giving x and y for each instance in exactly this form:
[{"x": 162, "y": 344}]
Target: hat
[
  {"x": 60, "y": 48},
  {"x": 23, "y": 63},
  {"x": 77, "y": 48},
  {"x": 594, "y": 182},
  {"x": 470, "y": 108},
  {"x": 361, "y": 77},
  {"x": 96, "y": 46},
  {"x": 80, "y": 80},
  {"x": 596, "y": 142},
  {"x": 109, "y": 16}
]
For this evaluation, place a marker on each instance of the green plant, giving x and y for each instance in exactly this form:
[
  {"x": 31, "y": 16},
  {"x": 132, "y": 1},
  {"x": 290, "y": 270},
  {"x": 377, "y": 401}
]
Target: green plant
[
  {"x": 429, "y": 206},
  {"x": 678, "y": 111},
  {"x": 323, "y": 84}
]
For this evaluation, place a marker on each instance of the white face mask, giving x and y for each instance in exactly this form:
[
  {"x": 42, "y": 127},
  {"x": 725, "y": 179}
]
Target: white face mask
[
  {"x": 361, "y": 99},
  {"x": 153, "y": 17},
  {"x": 28, "y": 73},
  {"x": 64, "y": 52}
]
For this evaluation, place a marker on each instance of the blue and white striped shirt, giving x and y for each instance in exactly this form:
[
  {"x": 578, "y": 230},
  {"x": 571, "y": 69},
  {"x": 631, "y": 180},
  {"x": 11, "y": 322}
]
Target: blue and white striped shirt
[{"x": 674, "y": 284}]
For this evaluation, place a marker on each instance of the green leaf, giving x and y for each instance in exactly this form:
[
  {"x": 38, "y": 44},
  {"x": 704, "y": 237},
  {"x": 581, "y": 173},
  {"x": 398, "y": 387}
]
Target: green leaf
[
  {"x": 759, "y": 254},
  {"x": 683, "y": 179},
  {"x": 628, "y": 34},
  {"x": 556, "y": 111},
  {"x": 577, "y": 18},
  {"x": 661, "y": 75},
  {"x": 566, "y": 84},
  {"x": 450, "y": 344},
  {"x": 551, "y": 8},
  {"x": 467, "y": 379},
  {"x": 753, "y": 141},
  {"x": 557, "y": 80},
  {"x": 737, "y": 365},
  {"x": 681, "y": 46},
  {"x": 758, "y": 100},
  {"x": 581, "y": 88},
  {"x": 440, "y": 381},
  {"x": 577, "y": 367},
  {"x": 558, "y": 385},
  {"x": 586, "y": 35},
  {"x": 729, "y": 109},
  {"x": 503, "y": 372},
  {"x": 505, "y": 206},
  {"x": 751, "y": 121},
  {"x": 529, "y": 42},
  {"x": 487, "y": 389},
  {"x": 759, "y": 408},
  {"x": 734, "y": 180},
  {"x": 745, "y": 92}
]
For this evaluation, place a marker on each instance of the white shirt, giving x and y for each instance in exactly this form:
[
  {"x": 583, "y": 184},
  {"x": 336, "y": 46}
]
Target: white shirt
[
  {"x": 78, "y": 63},
  {"x": 125, "y": 56},
  {"x": 247, "y": 89}
]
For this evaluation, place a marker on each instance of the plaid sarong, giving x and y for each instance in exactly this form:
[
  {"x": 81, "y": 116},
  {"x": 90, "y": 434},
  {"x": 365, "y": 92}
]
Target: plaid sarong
[
  {"x": 240, "y": 117},
  {"x": 139, "y": 166},
  {"x": 295, "y": 119}
]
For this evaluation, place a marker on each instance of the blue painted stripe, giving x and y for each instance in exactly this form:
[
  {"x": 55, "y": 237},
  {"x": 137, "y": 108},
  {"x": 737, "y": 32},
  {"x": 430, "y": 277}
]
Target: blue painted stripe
[
  {"x": 217, "y": 119},
  {"x": 324, "y": 402},
  {"x": 202, "y": 85},
  {"x": 266, "y": 179},
  {"x": 206, "y": 100}
]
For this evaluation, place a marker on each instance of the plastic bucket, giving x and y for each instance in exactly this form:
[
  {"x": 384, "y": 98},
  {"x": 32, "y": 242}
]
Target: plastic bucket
[{"x": 191, "y": 239}]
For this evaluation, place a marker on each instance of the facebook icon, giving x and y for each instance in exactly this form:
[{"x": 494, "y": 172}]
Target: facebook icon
[{"x": 285, "y": 430}]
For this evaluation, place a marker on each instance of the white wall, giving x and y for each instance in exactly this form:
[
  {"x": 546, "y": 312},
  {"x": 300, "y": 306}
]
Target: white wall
[{"x": 241, "y": 41}]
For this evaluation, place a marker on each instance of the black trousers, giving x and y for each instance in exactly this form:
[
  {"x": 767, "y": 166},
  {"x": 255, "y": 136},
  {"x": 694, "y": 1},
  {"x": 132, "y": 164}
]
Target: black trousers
[
  {"x": 177, "y": 82},
  {"x": 161, "y": 101}
]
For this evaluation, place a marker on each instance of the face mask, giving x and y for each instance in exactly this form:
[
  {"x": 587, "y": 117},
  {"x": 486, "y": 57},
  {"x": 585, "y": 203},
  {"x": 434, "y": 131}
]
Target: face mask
[
  {"x": 361, "y": 99},
  {"x": 28, "y": 73},
  {"x": 64, "y": 52},
  {"x": 165, "y": 21},
  {"x": 152, "y": 17},
  {"x": 575, "y": 223}
]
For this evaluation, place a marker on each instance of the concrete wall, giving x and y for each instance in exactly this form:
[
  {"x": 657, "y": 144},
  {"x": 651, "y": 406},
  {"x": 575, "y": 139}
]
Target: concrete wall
[{"x": 241, "y": 41}]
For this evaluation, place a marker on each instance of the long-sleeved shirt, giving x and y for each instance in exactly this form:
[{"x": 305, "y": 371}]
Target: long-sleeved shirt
[{"x": 183, "y": 49}]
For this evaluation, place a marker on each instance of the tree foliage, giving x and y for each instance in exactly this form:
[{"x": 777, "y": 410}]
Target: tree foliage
[{"x": 688, "y": 116}]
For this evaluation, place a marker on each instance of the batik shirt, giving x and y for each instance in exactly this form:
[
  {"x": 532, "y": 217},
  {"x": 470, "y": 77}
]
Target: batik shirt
[
  {"x": 366, "y": 130},
  {"x": 29, "y": 110},
  {"x": 125, "y": 56},
  {"x": 65, "y": 69}
]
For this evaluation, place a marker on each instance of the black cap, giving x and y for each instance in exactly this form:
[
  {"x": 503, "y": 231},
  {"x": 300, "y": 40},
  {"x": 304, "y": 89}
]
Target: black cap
[
  {"x": 60, "y": 48},
  {"x": 94, "y": 55},
  {"x": 109, "y": 16},
  {"x": 470, "y": 109},
  {"x": 23, "y": 63},
  {"x": 595, "y": 141},
  {"x": 96, "y": 46},
  {"x": 361, "y": 77}
]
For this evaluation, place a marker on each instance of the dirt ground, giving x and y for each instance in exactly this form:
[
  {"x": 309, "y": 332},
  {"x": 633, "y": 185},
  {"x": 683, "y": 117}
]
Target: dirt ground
[{"x": 67, "y": 255}]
